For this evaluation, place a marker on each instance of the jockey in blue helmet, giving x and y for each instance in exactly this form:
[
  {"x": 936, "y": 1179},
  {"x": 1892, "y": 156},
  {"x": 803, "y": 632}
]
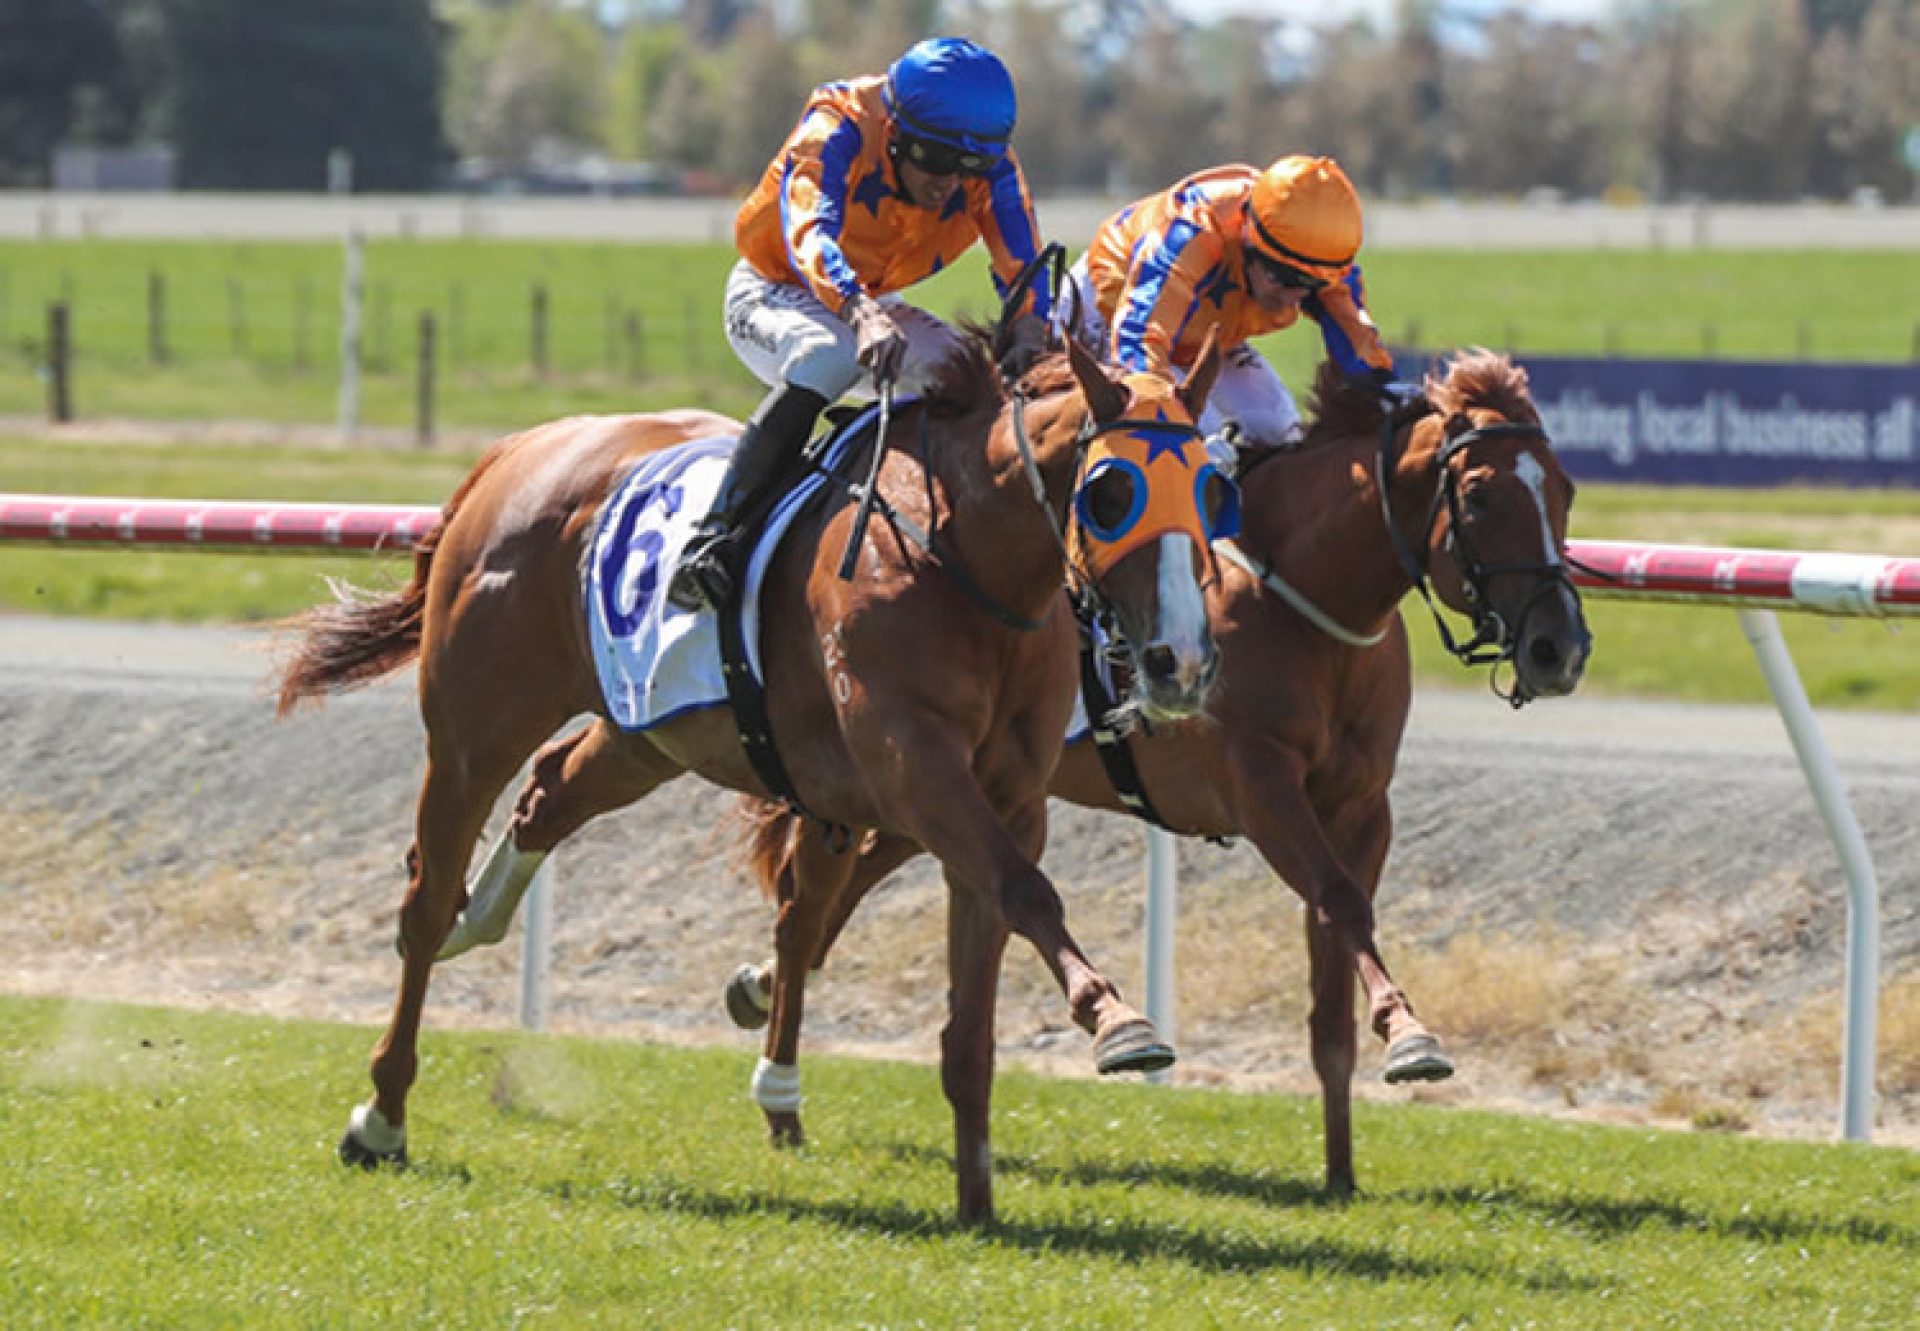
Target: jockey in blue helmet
[{"x": 885, "y": 181}]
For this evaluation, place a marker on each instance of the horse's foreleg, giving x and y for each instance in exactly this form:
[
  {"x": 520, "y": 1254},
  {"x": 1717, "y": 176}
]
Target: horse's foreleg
[
  {"x": 1330, "y": 1025},
  {"x": 936, "y": 799},
  {"x": 976, "y": 942},
  {"x": 1413, "y": 1052}
]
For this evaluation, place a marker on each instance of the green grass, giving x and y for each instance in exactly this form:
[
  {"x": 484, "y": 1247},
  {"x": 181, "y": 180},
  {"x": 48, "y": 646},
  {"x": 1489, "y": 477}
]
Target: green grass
[{"x": 173, "y": 1169}]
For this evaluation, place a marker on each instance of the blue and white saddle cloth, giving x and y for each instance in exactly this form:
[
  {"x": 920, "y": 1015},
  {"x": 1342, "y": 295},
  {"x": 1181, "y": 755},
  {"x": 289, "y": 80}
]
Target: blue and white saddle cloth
[{"x": 654, "y": 659}]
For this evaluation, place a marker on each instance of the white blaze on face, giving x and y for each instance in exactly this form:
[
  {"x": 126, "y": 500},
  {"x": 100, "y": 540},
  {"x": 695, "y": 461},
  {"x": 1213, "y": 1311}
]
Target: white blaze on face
[
  {"x": 1534, "y": 477},
  {"x": 1183, "y": 607}
]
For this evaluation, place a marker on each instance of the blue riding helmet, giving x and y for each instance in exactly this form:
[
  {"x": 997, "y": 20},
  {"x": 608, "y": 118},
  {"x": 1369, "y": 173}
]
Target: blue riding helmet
[{"x": 953, "y": 91}]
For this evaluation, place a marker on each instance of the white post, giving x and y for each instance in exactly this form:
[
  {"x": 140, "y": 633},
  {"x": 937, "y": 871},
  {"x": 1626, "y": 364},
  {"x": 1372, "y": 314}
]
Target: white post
[
  {"x": 535, "y": 946},
  {"x": 1162, "y": 891},
  {"x": 1762, "y": 628},
  {"x": 352, "y": 287}
]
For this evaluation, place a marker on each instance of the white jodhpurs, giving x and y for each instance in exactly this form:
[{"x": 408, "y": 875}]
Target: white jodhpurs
[
  {"x": 785, "y": 335},
  {"x": 1248, "y": 392}
]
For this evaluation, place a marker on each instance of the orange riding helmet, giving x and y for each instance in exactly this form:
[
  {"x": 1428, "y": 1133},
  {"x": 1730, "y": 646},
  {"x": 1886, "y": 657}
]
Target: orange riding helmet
[{"x": 1304, "y": 212}]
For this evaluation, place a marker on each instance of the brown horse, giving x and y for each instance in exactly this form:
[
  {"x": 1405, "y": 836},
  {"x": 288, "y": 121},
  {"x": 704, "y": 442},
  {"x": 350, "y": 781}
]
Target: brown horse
[
  {"x": 1297, "y": 746},
  {"x": 926, "y": 698}
]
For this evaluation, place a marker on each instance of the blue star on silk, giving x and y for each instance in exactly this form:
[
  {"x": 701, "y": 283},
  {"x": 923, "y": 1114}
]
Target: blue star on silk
[
  {"x": 872, "y": 191},
  {"x": 1216, "y": 288}
]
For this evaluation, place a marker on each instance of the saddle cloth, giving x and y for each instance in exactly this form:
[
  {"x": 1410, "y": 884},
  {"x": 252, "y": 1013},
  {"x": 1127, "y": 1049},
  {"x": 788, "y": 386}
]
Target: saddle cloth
[{"x": 654, "y": 659}]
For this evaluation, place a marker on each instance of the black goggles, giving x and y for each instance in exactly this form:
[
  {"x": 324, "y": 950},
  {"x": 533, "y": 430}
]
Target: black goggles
[
  {"x": 943, "y": 159},
  {"x": 1293, "y": 279}
]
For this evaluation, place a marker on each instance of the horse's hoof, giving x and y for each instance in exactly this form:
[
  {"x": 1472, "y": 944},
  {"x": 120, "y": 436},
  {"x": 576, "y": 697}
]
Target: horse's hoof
[
  {"x": 747, "y": 1002},
  {"x": 783, "y": 1130},
  {"x": 1417, "y": 1058},
  {"x": 370, "y": 1141},
  {"x": 1131, "y": 1046},
  {"x": 358, "y": 1154}
]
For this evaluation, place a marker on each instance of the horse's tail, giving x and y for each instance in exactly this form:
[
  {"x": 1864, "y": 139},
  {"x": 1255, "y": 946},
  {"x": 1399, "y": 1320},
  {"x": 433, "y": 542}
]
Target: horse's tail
[
  {"x": 355, "y": 639},
  {"x": 359, "y": 637},
  {"x": 767, "y": 844}
]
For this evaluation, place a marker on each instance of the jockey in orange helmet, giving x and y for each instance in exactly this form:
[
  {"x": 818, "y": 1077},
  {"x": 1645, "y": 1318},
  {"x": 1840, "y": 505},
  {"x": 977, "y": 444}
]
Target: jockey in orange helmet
[
  {"x": 1238, "y": 252},
  {"x": 885, "y": 181}
]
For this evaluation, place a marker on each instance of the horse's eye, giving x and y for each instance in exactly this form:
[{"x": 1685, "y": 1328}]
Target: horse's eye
[
  {"x": 1111, "y": 500},
  {"x": 1109, "y": 497},
  {"x": 1477, "y": 498}
]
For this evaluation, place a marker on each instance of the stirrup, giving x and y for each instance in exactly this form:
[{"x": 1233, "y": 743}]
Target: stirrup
[{"x": 704, "y": 580}]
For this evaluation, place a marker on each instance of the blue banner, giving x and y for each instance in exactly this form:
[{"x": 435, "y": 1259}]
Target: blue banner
[{"x": 1710, "y": 422}]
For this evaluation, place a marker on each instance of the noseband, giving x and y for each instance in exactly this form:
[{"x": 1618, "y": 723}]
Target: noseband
[{"x": 1493, "y": 640}]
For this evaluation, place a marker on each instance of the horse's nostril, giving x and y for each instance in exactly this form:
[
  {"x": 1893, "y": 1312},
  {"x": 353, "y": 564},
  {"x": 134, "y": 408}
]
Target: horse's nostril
[
  {"x": 1159, "y": 661},
  {"x": 1544, "y": 652}
]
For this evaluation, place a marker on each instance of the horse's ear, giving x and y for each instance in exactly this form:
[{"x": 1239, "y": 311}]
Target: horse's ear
[
  {"x": 1206, "y": 368},
  {"x": 1105, "y": 399}
]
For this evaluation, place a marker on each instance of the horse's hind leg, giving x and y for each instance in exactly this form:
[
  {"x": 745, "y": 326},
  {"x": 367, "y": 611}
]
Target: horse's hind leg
[
  {"x": 455, "y": 797},
  {"x": 813, "y": 877},
  {"x": 749, "y": 992},
  {"x": 818, "y": 888},
  {"x": 586, "y": 773},
  {"x": 575, "y": 778}
]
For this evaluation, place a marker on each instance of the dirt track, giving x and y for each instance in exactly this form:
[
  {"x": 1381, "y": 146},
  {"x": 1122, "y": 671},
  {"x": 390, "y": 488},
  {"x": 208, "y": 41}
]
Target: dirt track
[{"x": 1619, "y": 910}]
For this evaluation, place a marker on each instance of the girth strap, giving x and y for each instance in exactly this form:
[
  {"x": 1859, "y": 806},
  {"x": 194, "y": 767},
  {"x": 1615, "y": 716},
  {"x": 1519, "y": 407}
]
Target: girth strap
[{"x": 749, "y": 703}]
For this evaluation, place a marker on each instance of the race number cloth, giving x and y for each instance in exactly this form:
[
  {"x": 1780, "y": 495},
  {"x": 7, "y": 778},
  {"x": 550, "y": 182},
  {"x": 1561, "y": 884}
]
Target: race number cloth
[{"x": 654, "y": 659}]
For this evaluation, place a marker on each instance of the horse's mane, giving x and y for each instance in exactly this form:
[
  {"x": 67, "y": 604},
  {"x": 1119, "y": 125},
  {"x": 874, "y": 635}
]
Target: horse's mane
[
  {"x": 1486, "y": 379},
  {"x": 968, "y": 380},
  {"x": 1339, "y": 408}
]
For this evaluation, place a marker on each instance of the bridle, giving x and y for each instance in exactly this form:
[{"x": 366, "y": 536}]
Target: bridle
[{"x": 1494, "y": 640}]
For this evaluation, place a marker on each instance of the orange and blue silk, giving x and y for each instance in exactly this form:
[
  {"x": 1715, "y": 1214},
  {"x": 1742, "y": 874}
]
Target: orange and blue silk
[
  {"x": 831, "y": 215},
  {"x": 1170, "y": 267}
]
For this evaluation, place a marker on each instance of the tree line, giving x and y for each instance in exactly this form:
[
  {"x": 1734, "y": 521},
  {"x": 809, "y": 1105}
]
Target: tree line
[{"x": 1662, "y": 99}]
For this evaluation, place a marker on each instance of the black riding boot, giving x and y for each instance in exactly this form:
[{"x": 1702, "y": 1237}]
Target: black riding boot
[{"x": 710, "y": 569}]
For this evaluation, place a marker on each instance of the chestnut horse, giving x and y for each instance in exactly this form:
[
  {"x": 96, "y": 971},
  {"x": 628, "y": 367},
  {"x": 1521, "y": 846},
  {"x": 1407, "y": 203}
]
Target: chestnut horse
[
  {"x": 1297, "y": 746},
  {"x": 927, "y": 697}
]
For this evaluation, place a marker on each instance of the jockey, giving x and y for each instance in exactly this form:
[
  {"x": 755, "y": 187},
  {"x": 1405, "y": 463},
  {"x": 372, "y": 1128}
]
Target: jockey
[
  {"x": 1238, "y": 252},
  {"x": 885, "y": 181}
]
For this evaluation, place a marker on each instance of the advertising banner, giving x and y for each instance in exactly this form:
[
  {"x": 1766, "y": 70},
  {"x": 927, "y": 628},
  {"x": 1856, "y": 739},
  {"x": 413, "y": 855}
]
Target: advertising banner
[{"x": 1709, "y": 422}]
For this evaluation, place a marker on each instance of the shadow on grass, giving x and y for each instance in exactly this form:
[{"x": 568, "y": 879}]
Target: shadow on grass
[
  {"x": 1607, "y": 1216},
  {"x": 1206, "y": 1180},
  {"x": 1124, "y": 1240}
]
